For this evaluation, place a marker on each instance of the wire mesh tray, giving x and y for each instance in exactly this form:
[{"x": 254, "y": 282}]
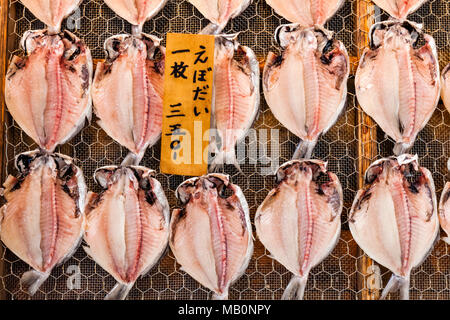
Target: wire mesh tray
[{"x": 340, "y": 276}]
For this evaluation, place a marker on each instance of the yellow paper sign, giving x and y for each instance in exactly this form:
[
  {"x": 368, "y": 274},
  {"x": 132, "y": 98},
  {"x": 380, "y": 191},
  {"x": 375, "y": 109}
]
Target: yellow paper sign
[{"x": 188, "y": 87}]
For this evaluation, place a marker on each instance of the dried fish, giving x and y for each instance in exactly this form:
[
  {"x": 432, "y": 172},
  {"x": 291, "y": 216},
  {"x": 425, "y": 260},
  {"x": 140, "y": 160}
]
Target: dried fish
[{"x": 399, "y": 9}]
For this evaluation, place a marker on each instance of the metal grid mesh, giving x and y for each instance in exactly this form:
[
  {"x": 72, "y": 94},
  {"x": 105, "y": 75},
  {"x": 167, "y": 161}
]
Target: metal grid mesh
[{"x": 338, "y": 276}]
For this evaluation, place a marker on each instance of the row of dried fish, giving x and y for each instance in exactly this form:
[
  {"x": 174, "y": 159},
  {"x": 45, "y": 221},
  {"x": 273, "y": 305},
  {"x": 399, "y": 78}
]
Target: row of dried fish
[{"x": 127, "y": 226}]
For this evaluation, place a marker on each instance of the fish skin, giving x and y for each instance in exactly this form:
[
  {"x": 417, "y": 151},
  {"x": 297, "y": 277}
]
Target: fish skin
[
  {"x": 306, "y": 86},
  {"x": 51, "y": 12},
  {"x": 43, "y": 220},
  {"x": 299, "y": 221},
  {"x": 128, "y": 92},
  {"x": 127, "y": 226},
  {"x": 48, "y": 91},
  {"x": 236, "y": 97},
  {"x": 219, "y": 12},
  {"x": 408, "y": 80},
  {"x": 211, "y": 236},
  {"x": 307, "y": 13},
  {"x": 136, "y": 12},
  {"x": 445, "y": 90},
  {"x": 399, "y": 9},
  {"x": 395, "y": 221}
]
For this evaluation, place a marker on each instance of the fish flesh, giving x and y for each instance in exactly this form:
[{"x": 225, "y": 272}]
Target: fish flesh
[
  {"x": 128, "y": 91},
  {"x": 307, "y": 13},
  {"x": 211, "y": 236},
  {"x": 397, "y": 83},
  {"x": 127, "y": 224},
  {"x": 444, "y": 209},
  {"x": 445, "y": 83},
  {"x": 299, "y": 221},
  {"x": 399, "y": 9},
  {"x": 136, "y": 12},
  {"x": 306, "y": 86},
  {"x": 236, "y": 97},
  {"x": 51, "y": 12},
  {"x": 394, "y": 217},
  {"x": 42, "y": 221},
  {"x": 48, "y": 91},
  {"x": 219, "y": 12}
]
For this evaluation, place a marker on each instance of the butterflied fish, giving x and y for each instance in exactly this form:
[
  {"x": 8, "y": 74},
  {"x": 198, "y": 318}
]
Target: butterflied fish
[
  {"x": 307, "y": 13},
  {"x": 398, "y": 83},
  {"x": 445, "y": 83},
  {"x": 236, "y": 97},
  {"x": 219, "y": 12},
  {"x": 444, "y": 209},
  {"x": 127, "y": 227},
  {"x": 394, "y": 217},
  {"x": 51, "y": 12},
  {"x": 43, "y": 219},
  {"x": 306, "y": 86},
  {"x": 399, "y": 9},
  {"x": 48, "y": 91},
  {"x": 211, "y": 236},
  {"x": 136, "y": 12},
  {"x": 128, "y": 91},
  {"x": 299, "y": 221}
]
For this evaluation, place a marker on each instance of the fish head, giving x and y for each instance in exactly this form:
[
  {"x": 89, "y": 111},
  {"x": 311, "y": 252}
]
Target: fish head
[
  {"x": 294, "y": 170},
  {"x": 195, "y": 189},
  {"x": 144, "y": 46},
  {"x": 394, "y": 34},
  {"x": 226, "y": 45}
]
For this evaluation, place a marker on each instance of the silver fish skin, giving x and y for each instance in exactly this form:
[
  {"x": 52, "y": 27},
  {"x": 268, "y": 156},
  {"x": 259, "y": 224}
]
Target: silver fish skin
[
  {"x": 399, "y": 9},
  {"x": 42, "y": 221},
  {"x": 136, "y": 12},
  {"x": 398, "y": 83},
  {"x": 48, "y": 92},
  {"x": 127, "y": 225},
  {"x": 307, "y": 13},
  {"x": 128, "y": 92},
  {"x": 51, "y": 12},
  {"x": 445, "y": 90},
  {"x": 306, "y": 86},
  {"x": 236, "y": 98},
  {"x": 219, "y": 12},
  {"x": 211, "y": 235},
  {"x": 299, "y": 221},
  {"x": 444, "y": 209},
  {"x": 394, "y": 218}
]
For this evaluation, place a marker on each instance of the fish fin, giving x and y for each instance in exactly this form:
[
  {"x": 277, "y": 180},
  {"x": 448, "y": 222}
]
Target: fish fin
[
  {"x": 32, "y": 280},
  {"x": 87, "y": 250},
  {"x": 224, "y": 157},
  {"x": 397, "y": 283},
  {"x": 304, "y": 150},
  {"x": 446, "y": 240},
  {"x": 211, "y": 29},
  {"x": 295, "y": 289},
  {"x": 119, "y": 292},
  {"x": 221, "y": 296}
]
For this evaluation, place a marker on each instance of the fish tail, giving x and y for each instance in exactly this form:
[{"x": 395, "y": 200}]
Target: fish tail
[
  {"x": 211, "y": 29},
  {"x": 223, "y": 157},
  {"x": 295, "y": 289},
  {"x": 221, "y": 296},
  {"x": 32, "y": 280},
  {"x": 119, "y": 292},
  {"x": 304, "y": 150},
  {"x": 131, "y": 159},
  {"x": 401, "y": 148},
  {"x": 397, "y": 283}
]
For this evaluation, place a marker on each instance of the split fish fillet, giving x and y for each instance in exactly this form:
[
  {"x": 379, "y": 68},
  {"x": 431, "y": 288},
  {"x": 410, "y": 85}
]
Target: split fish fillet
[
  {"x": 306, "y": 86},
  {"x": 307, "y": 13},
  {"x": 397, "y": 84},
  {"x": 51, "y": 12},
  {"x": 236, "y": 96},
  {"x": 128, "y": 91},
  {"x": 136, "y": 12},
  {"x": 445, "y": 83},
  {"x": 299, "y": 221},
  {"x": 219, "y": 12},
  {"x": 127, "y": 227},
  {"x": 399, "y": 9},
  {"x": 394, "y": 217},
  {"x": 444, "y": 209},
  {"x": 42, "y": 221},
  {"x": 211, "y": 236},
  {"x": 48, "y": 91}
]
